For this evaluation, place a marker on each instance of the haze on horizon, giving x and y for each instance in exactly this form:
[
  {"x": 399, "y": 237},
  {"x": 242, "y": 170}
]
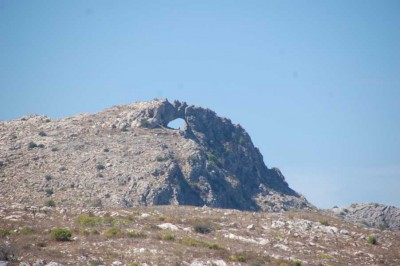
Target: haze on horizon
[{"x": 315, "y": 83}]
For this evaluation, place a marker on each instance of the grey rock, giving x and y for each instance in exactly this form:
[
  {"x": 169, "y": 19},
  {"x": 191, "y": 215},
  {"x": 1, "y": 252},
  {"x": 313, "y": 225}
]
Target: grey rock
[{"x": 371, "y": 214}]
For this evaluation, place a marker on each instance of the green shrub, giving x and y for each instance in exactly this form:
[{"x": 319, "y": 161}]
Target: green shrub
[
  {"x": 4, "y": 232},
  {"x": 26, "y": 231},
  {"x": 49, "y": 192},
  {"x": 324, "y": 222},
  {"x": 85, "y": 220},
  {"x": 238, "y": 258},
  {"x": 113, "y": 232},
  {"x": 144, "y": 122},
  {"x": 42, "y": 134},
  {"x": 202, "y": 228},
  {"x": 160, "y": 158},
  {"x": 48, "y": 177},
  {"x": 32, "y": 145},
  {"x": 100, "y": 167},
  {"x": 372, "y": 240},
  {"x": 168, "y": 237},
  {"x": 135, "y": 234},
  {"x": 61, "y": 234},
  {"x": 197, "y": 243},
  {"x": 40, "y": 145},
  {"x": 50, "y": 203}
]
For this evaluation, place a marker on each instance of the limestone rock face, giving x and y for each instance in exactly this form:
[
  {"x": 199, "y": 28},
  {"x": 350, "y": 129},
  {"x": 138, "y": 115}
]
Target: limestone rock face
[
  {"x": 371, "y": 214},
  {"x": 128, "y": 156}
]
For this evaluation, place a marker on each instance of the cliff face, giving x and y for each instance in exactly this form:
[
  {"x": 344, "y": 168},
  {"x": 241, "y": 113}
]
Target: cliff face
[{"x": 127, "y": 156}]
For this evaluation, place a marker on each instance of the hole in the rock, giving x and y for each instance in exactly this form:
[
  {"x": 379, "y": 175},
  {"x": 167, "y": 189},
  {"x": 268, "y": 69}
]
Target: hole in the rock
[{"x": 178, "y": 123}]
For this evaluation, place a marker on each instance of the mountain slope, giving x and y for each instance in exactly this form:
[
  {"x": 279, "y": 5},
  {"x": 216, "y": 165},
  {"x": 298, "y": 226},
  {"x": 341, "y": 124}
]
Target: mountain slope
[{"x": 127, "y": 156}]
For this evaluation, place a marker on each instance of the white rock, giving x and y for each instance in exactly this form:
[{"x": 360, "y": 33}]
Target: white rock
[
  {"x": 116, "y": 263},
  {"x": 218, "y": 262},
  {"x": 251, "y": 227},
  {"x": 144, "y": 215},
  {"x": 281, "y": 246},
  {"x": 168, "y": 226},
  {"x": 344, "y": 232}
]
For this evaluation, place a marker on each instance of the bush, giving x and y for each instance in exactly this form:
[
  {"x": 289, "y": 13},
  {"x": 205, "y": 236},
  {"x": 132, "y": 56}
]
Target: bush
[
  {"x": 106, "y": 150},
  {"x": 50, "y": 203},
  {"x": 48, "y": 177},
  {"x": 85, "y": 220},
  {"x": 324, "y": 222},
  {"x": 196, "y": 243},
  {"x": 49, "y": 192},
  {"x": 113, "y": 232},
  {"x": 42, "y": 134},
  {"x": 239, "y": 258},
  {"x": 26, "y": 231},
  {"x": 372, "y": 240},
  {"x": 100, "y": 167},
  {"x": 40, "y": 146},
  {"x": 61, "y": 234},
  {"x": 202, "y": 228},
  {"x": 32, "y": 145},
  {"x": 135, "y": 234},
  {"x": 168, "y": 237},
  {"x": 4, "y": 232}
]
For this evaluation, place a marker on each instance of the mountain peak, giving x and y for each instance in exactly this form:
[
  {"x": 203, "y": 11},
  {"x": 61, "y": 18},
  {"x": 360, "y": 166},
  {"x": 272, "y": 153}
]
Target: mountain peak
[{"x": 128, "y": 156}]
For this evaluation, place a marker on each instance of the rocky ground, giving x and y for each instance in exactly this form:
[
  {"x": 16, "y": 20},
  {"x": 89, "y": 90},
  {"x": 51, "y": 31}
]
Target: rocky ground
[{"x": 181, "y": 235}]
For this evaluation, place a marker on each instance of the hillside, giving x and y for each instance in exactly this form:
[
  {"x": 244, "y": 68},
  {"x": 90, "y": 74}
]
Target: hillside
[
  {"x": 126, "y": 156},
  {"x": 182, "y": 235}
]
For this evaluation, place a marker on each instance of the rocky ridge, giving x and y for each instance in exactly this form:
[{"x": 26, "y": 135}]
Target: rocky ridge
[
  {"x": 127, "y": 156},
  {"x": 370, "y": 214}
]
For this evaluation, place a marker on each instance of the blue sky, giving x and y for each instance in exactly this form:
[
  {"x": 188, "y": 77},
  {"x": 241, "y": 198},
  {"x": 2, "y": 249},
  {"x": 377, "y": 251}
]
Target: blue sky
[{"x": 315, "y": 83}]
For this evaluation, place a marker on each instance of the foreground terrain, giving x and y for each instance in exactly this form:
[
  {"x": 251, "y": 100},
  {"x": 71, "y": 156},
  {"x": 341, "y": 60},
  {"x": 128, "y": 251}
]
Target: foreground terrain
[{"x": 181, "y": 235}]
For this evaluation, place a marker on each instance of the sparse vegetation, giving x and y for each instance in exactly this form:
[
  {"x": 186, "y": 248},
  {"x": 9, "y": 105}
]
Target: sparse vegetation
[
  {"x": 324, "y": 222},
  {"x": 202, "y": 228},
  {"x": 61, "y": 234},
  {"x": 106, "y": 150},
  {"x": 144, "y": 122},
  {"x": 372, "y": 240},
  {"x": 100, "y": 167},
  {"x": 113, "y": 232},
  {"x": 40, "y": 145},
  {"x": 49, "y": 191},
  {"x": 48, "y": 177},
  {"x": 167, "y": 237},
  {"x": 42, "y": 134},
  {"x": 197, "y": 243},
  {"x": 4, "y": 232},
  {"x": 26, "y": 231},
  {"x": 50, "y": 203},
  {"x": 160, "y": 158},
  {"x": 32, "y": 145},
  {"x": 238, "y": 258},
  {"x": 135, "y": 234}
]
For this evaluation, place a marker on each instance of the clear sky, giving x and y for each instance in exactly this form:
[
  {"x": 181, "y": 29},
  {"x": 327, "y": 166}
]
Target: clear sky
[{"x": 315, "y": 83}]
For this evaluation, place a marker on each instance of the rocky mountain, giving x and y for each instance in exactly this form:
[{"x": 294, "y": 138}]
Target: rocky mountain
[
  {"x": 127, "y": 156},
  {"x": 371, "y": 214}
]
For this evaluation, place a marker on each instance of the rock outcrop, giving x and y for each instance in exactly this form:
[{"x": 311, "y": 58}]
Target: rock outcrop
[
  {"x": 128, "y": 156},
  {"x": 371, "y": 214}
]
